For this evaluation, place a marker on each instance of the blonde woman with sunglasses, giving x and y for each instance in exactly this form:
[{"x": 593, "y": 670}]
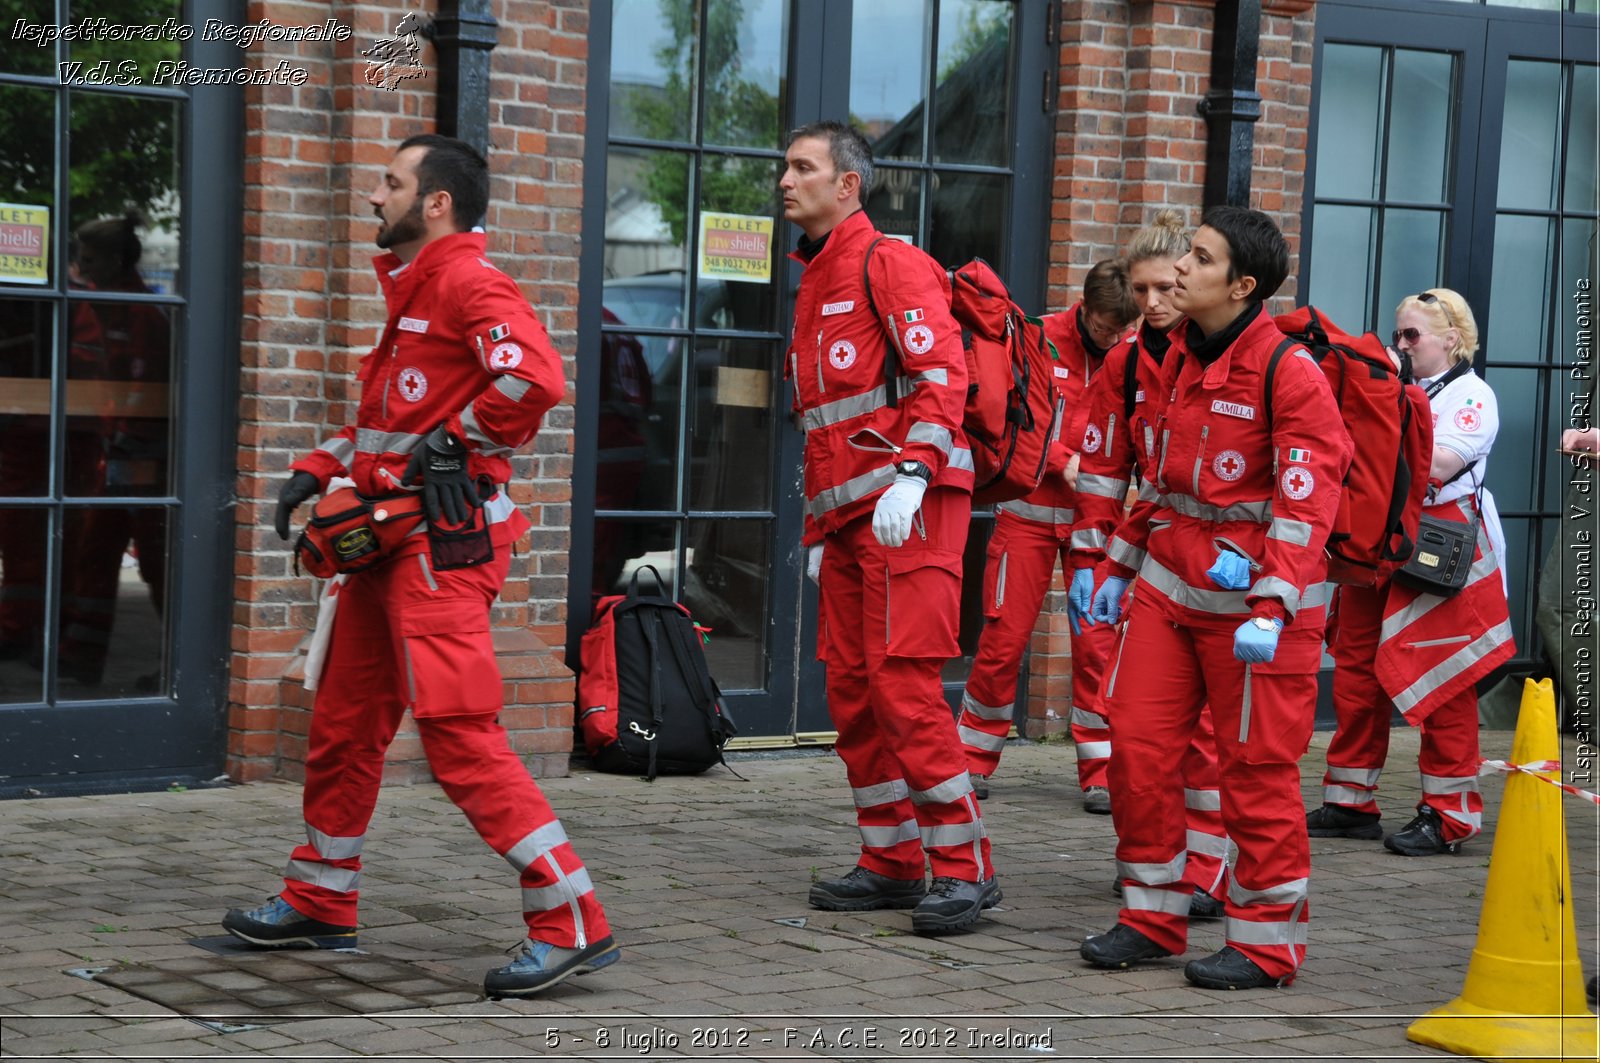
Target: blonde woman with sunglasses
[{"x": 1396, "y": 647}]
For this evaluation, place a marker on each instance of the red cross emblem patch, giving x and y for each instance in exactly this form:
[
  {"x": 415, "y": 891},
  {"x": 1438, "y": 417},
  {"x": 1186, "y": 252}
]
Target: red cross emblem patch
[
  {"x": 1229, "y": 465},
  {"x": 1468, "y": 419},
  {"x": 412, "y": 384},
  {"x": 506, "y": 356},
  {"x": 1297, "y": 482},
  {"x": 1091, "y": 438}
]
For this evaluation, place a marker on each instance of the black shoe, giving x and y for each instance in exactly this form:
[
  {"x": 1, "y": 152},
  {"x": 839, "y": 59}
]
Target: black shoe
[
  {"x": 980, "y": 786},
  {"x": 276, "y": 924},
  {"x": 952, "y": 904},
  {"x": 540, "y": 965},
  {"x": 1334, "y": 821},
  {"x": 1097, "y": 799},
  {"x": 1229, "y": 969},
  {"x": 861, "y": 890},
  {"x": 1204, "y": 906},
  {"x": 1121, "y": 946},
  {"x": 1423, "y": 836}
]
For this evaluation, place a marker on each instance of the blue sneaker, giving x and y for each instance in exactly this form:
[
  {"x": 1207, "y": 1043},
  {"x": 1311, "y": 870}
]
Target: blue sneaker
[
  {"x": 276, "y": 924},
  {"x": 540, "y": 965}
]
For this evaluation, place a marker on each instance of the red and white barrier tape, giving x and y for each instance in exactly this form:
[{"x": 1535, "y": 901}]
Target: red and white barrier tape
[{"x": 1503, "y": 767}]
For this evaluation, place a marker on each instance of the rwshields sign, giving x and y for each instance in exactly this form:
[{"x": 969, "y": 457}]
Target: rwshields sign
[
  {"x": 735, "y": 247},
  {"x": 24, "y": 244}
]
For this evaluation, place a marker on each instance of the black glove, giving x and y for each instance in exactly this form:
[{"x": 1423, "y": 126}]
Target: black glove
[
  {"x": 301, "y": 486},
  {"x": 440, "y": 464}
]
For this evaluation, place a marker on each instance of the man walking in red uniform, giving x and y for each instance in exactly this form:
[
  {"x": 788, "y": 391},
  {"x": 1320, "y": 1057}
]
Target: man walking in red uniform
[
  {"x": 1030, "y": 534},
  {"x": 888, "y": 482},
  {"x": 1235, "y": 510},
  {"x": 460, "y": 379}
]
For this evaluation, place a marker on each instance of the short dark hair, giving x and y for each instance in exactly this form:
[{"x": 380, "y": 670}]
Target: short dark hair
[
  {"x": 1107, "y": 290},
  {"x": 1256, "y": 248},
  {"x": 453, "y": 166},
  {"x": 846, "y": 146}
]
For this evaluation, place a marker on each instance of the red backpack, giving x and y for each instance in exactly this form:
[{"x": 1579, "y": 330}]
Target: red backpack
[
  {"x": 1375, "y": 530},
  {"x": 1013, "y": 411}
]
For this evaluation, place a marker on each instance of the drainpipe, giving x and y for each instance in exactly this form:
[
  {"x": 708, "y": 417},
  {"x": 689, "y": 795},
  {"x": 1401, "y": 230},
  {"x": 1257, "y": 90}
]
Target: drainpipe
[
  {"x": 1232, "y": 106},
  {"x": 465, "y": 32}
]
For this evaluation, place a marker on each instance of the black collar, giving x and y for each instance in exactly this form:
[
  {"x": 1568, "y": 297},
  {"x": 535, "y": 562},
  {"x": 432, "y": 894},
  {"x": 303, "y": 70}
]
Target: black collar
[
  {"x": 1154, "y": 341},
  {"x": 1209, "y": 348}
]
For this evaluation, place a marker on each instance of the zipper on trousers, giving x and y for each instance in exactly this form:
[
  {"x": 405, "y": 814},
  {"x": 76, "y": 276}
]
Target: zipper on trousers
[{"x": 572, "y": 899}]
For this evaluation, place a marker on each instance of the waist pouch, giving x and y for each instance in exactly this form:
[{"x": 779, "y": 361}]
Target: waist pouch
[
  {"x": 349, "y": 532},
  {"x": 1443, "y": 557}
]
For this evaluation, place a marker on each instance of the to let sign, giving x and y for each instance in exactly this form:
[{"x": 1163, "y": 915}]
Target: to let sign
[
  {"x": 735, "y": 247},
  {"x": 24, "y": 244}
]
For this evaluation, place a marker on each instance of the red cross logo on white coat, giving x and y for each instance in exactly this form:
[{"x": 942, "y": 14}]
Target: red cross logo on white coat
[
  {"x": 413, "y": 385},
  {"x": 1467, "y": 419}
]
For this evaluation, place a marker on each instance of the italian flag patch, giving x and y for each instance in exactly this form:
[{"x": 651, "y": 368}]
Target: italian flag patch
[
  {"x": 1299, "y": 456},
  {"x": 499, "y": 332},
  {"x": 913, "y": 316}
]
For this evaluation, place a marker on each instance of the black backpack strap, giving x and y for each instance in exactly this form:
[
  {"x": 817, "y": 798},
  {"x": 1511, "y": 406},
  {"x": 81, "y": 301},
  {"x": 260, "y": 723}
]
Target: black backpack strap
[
  {"x": 891, "y": 361},
  {"x": 1288, "y": 344},
  {"x": 650, "y": 625},
  {"x": 1399, "y": 495},
  {"x": 1130, "y": 384}
]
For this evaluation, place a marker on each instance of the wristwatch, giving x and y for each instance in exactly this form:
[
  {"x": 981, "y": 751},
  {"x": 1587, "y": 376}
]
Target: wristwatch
[
  {"x": 1264, "y": 623},
  {"x": 914, "y": 468}
]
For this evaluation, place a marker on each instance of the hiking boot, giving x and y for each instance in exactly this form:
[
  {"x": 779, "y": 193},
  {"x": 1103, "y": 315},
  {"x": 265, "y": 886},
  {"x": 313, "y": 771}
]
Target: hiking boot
[
  {"x": 1204, "y": 906},
  {"x": 1121, "y": 946},
  {"x": 1097, "y": 799},
  {"x": 1423, "y": 836},
  {"x": 1336, "y": 821},
  {"x": 980, "y": 786},
  {"x": 1230, "y": 969},
  {"x": 277, "y": 924},
  {"x": 540, "y": 965},
  {"x": 861, "y": 890},
  {"x": 952, "y": 904}
]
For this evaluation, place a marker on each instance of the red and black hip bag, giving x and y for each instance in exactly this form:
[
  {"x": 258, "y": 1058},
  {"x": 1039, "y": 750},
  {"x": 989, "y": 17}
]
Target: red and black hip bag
[{"x": 349, "y": 532}]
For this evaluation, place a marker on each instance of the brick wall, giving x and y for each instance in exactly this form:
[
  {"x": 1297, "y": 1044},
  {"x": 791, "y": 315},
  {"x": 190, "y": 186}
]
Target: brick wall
[
  {"x": 1129, "y": 142},
  {"x": 311, "y": 309}
]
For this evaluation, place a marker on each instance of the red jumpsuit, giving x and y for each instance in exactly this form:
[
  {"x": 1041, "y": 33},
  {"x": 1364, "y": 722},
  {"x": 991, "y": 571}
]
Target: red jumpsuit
[
  {"x": 1394, "y": 646},
  {"x": 1029, "y": 535},
  {"x": 1223, "y": 474},
  {"x": 462, "y": 347},
  {"x": 888, "y": 617},
  {"x": 1116, "y": 444}
]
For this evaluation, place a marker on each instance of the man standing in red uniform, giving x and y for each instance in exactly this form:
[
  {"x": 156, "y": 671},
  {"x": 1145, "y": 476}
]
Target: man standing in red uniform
[
  {"x": 1030, "y": 534},
  {"x": 888, "y": 482},
  {"x": 1235, "y": 510},
  {"x": 460, "y": 379}
]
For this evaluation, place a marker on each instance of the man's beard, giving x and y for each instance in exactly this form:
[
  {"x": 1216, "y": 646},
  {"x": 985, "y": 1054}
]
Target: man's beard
[{"x": 406, "y": 228}]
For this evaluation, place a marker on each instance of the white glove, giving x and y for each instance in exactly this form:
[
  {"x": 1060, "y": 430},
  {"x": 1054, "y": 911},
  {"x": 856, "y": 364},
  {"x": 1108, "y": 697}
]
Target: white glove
[
  {"x": 814, "y": 564},
  {"x": 891, "y": 521}
]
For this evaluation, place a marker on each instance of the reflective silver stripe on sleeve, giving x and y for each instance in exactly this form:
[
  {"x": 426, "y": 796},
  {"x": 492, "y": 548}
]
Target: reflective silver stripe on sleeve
[
  {"x": 332, "y": 847},
  {"x": 475, "y": 434},
  {"x": 952, "y": 789},
  {"x": 961, "y": 458},
  {"x": 1189, "y": 506},
  {"x": 986, "y": 712},
  {"x": 1167, "y": 582},
  {"x": 850, "y": 491},
  {"x": 1088, "y": 539},
  {"x": 1154, "y": 874},
  {"x": 337, "y": 879},
  {"x": 536, "y": 845},
  {"x": 513, "y": 387},
  {"x": 1265, "y": 934},
  {"x": 1453, "y": 666},
  {"x": 1297, "y": 532},
  {"x": 1085, "y": 718},
  {"x": 889, "y": 837},
  {"x": 932, "y": 376},
  {"x": 944, "y": 835},
  {"x": 1094, "y": 750},
  {"x": 840, "y": 410},
  {"x": 883, "y": 793},
  {"x": 1283, "y": 893},
  {"x": 1281, "y": 589},
  {"x": 375, "y": 441},
  {"x": 340, "y": 449},
  {"x": 1152, "y": 899},
  {"x": 1125, "y": 553},
  {"x": 1102, "y": 486},
  {"x": 1345, "y": 795},
  {"x": 935, "y": 435},
  {"x": 1449, "y": 784},
  {"x": 1359, "y": 776},
  {"x": 1202, "y": 800},
  {"x": 1215, "y": 845},
  {"x": 971, "y": 736},
  {"x": 549, "y": 898}
]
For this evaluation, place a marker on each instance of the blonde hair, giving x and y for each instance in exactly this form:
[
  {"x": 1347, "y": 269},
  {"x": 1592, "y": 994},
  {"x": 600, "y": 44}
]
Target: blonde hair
[
  {"x": 1446, "y": 310},
  {"x": 1165, "y": 237}
]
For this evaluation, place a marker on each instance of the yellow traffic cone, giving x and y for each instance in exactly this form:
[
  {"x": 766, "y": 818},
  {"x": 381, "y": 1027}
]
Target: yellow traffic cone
[{"x": 1524, "y": 993}]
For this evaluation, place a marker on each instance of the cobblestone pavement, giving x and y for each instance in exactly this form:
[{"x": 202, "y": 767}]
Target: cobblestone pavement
[{"x": 704, "y": 880}]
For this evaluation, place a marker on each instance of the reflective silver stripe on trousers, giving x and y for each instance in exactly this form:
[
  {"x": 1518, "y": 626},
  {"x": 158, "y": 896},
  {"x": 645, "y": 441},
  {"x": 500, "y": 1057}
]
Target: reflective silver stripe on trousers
[
  {"x": 513, "y": 387},
  {"x": 1094, "y": 750},
  {"x": 1290, "y": 531},
  {"x": 971, "y": 736},
  {"x": 475, "y": 434},
  {"x": 1205, "y": 844},
  {"x": 1102, "y": 486},
  {"x": 986, "y": 712},
  {"x": 1245, "y": 932},
  {"x": 1283, "y": 893},
  {"x": 935, "y": 435},
  {"x": 1125, "y": 553},
  {"x": 1088, "y": 539},
  {"x": 547, "y": 898},
  {"x": 340, "y": 449},
  {"x": 536, "y": 845},
  {"x": 851, "y": 490},
  {"x": 945, "y": 835},
  {"x": 1202, "y": 800},
  {"x": 952, "y": 789},
  {"x": 1085, "y": 718},
  {"x": 1152, "y": 899},
  {"x": 1449, "y": 784},
  {"x": 1189, "y": 506},
  {"x": 332, "y": 847},
  {"x": 1454, "y": 665},
  {"x": 1358, "y": 776},
  {"x": 1043, "y": 514},
  {"x": 1345, "y": 795},
  {"x": 336, "y": 879},
  {"x": 1473, "y": 821},
  {"x": 889, "y": 837},
  {"x": 883, "y": 793},
  {"x": 1482, "y": 568},
  {"x": 1154, "y": 874},
  {"x": 375, "y": 441}
]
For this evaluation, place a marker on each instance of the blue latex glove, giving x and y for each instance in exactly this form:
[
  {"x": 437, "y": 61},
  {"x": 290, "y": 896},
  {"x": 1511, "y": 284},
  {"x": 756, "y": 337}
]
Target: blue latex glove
[
  {"x": 1230, "y": 571},
  {"x": 1107, "y": 605},
  {"x": 1079, "y": 597},
  {"x": 1256, "y": 645}
]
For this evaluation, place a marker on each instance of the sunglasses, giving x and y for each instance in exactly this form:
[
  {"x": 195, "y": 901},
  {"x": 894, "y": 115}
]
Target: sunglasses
[
  {"x": 1411, "y": 335},
  {"x": 1434, "y": 300}
]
